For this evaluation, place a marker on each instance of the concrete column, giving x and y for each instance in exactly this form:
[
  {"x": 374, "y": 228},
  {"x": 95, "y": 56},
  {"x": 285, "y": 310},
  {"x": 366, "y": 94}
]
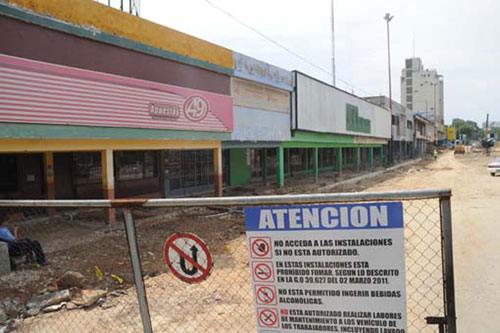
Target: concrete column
[
  {"x": 218, "y": 171},
  {"x": 162, "y": 174},
  {"x": 370, "y": 157},
  {"x": 108, "y": 181},
  {"x": 316, "y": 165},
  {"x": 339, "y": 161},
  {"x": 264, "y": 166},
  {"x": 356, "y": 158},
  {"x": 48, "y": 171},
  {"x": 281, "y": 166}
]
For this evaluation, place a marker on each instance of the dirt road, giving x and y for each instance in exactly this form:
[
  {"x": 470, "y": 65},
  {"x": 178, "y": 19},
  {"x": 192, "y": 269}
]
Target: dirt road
[
  {"x": 224, "y": 302},
  {"x": 476, "y": 219}
]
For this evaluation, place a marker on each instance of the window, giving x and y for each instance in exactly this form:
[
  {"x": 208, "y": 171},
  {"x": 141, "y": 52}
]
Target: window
[
  {"x": 409, "y": 82},
  {"x": 409, "y": 124},
  {"x": 408, "y": 63},
  {"x": 408, "y": 90},
  {"x": 8, "y": 173},
  {"x": 133, "y": 165},
  {"x": 88, "y": 169},
  {"x": 409, "y": 73},
  {"x": 256, "y": 156},
  {"x": 395, "y": 120},
  {"x": 188, "y": 169},
  {"x": 409, "y": 98},
  {"x": 409, "y": 106}
]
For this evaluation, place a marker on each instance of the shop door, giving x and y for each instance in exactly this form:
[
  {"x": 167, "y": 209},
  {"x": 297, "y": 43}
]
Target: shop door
[{"x": 63, "y": 176}]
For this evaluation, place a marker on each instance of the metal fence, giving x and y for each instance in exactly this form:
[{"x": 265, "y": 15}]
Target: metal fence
[{"x": 121, "y": 283}]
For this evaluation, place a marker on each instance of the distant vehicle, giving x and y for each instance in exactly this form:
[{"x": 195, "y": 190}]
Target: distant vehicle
[
  {"x": 449, "y": 145},
  {"x": 494, "y": 167},
  {"x": 459, "y": 149}
]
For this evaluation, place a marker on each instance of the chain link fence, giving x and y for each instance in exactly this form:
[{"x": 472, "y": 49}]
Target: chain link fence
[{"x": 147, "y": 297}]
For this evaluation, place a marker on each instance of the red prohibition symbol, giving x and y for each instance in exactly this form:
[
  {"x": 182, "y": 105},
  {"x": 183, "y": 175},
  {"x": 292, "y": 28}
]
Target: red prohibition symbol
[
  {"x": 182, "y": 248},
  {"x": 260, "y": 248},
  {"x": 263, "y": 271},
  {"x": 266, "y": 295},
  {"x": 268, "y": 317}
]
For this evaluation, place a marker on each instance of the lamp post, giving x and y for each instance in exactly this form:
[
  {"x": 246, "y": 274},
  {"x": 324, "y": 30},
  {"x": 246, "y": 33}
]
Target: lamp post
[
  {"x": 388, "y": 18},
  {"x": 333, "y": 43}
]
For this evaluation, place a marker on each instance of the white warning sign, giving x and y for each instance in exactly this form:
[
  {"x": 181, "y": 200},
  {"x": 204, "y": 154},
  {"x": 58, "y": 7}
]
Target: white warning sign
[{"x": 328, "y": 268}]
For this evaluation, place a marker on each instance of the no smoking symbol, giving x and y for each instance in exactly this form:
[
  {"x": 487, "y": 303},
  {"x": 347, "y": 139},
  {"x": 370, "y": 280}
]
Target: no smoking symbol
[
  {"x": 266, "y": 295},
  {"x": 260, "y": 248},
  {"x": 262, "y": 271},
  {"x": 268, "y": 317}
]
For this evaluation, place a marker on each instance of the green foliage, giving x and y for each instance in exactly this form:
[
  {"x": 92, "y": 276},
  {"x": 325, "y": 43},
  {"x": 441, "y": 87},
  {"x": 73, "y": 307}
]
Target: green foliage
[{"x": 467, "y": 127}]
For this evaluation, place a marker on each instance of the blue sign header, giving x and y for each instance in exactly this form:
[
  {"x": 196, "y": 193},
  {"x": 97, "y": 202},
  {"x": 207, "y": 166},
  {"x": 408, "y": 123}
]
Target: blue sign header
[{"x": 380, "y": 215}]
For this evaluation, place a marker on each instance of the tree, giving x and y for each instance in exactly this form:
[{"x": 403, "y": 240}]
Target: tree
[{"x": 469, "y": 128}]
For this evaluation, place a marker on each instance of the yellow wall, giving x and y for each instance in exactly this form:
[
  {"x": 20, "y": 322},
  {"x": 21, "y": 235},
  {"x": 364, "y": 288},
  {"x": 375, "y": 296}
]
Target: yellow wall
[
  {"x": 73, "y": 145},
  {"x": 112, "y": 21}
]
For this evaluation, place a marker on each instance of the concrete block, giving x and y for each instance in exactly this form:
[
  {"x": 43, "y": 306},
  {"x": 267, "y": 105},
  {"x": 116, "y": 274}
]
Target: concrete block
[{"x": 4, "y": 258}]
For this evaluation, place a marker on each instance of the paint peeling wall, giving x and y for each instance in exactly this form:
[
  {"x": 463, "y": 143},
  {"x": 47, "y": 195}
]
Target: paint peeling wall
[
  {"x": 255, "y": 70},
  {"x": 260, "y": 125},
  {"x": 88, "y": 13}
]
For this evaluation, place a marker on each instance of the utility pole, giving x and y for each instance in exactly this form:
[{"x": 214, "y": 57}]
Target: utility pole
[
  {"x": 388, "y": 17},
  {"x": 333, "y": 44}
]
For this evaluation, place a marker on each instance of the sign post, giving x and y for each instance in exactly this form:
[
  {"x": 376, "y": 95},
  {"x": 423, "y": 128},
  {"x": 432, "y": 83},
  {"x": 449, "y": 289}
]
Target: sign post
[{"x": 328, "y": 268}]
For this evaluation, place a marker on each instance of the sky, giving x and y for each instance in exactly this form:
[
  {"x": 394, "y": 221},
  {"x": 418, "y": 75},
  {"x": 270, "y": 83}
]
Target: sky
[{"x": 459, "y": 38}]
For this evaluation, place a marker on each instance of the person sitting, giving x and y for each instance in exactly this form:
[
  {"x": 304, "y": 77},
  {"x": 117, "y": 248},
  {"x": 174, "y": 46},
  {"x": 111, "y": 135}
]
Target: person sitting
[{"x": 30, "y": 249}]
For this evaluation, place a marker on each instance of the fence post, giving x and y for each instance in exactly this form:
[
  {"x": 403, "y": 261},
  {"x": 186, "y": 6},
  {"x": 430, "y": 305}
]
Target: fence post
[
  {"x": 137, "y": 268},
  {"x": 447, "y": 248}
]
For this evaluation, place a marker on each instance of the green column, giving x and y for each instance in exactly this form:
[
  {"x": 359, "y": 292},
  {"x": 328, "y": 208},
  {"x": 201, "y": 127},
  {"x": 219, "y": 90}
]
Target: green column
[
  {"x": 264, "y": 165},
  {"x": 316, "y": 166},
  {"x": 370, "y": 157},
  {"x": 356, "y": 158},
  {"x": 281, "y": 167},
  {"x": 288, "y": 162},
  {"x": 339, "y": 160},
  {"x": 382, "y": 156}
]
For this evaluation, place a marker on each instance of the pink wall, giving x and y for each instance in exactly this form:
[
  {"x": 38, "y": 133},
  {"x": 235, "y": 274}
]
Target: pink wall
[{"x": 38, "y": 92}]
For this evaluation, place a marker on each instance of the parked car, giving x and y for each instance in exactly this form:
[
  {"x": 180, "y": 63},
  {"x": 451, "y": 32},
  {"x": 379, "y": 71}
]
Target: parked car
[{"x": 494, "y": 167}]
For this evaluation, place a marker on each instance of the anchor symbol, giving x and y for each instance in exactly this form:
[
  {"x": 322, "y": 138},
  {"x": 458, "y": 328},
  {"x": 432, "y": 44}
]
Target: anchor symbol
[{"x": 193, "y": 270}]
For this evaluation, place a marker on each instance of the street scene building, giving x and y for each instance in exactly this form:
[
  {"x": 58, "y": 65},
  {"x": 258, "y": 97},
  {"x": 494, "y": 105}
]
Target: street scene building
[
  {"x": 402, "y": 144},
  {"x": 141, "y": 115},
  {"x": 422, "y": 91},
  {"x": 155, "y": 181}
]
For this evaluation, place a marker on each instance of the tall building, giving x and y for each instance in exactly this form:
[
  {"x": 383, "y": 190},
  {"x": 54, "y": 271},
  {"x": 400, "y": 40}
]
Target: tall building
[{"x": 422, "y": 91}]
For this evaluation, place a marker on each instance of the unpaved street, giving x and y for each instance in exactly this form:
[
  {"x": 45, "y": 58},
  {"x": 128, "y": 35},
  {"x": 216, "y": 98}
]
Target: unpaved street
[
  {"x": 476, "y": 219},
  {"x": 223, "y": 303}
]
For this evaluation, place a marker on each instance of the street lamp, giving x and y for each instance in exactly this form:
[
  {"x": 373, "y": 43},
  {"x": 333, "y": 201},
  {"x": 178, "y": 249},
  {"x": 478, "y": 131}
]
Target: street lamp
[
  {"x": 388, "y": 17},
  {"x": 333, "y": 42}
]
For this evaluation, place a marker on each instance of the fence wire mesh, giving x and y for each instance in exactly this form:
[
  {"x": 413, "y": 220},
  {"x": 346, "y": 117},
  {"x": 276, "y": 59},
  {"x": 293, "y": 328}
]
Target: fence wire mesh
[
  {"x": 79, "y": 240},
  {"x": 85, "y": 285}
]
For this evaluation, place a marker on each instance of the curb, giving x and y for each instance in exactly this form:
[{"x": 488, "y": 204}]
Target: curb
[{"x": 370, "y": 175}]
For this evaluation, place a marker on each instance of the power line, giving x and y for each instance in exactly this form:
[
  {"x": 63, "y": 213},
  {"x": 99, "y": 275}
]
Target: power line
[{"x": 269, "y": 39}]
